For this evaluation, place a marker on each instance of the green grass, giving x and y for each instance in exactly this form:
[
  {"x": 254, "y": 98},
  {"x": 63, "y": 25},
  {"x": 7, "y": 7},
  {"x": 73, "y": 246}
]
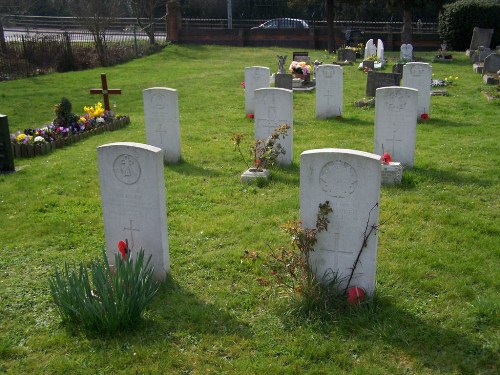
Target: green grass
[{"x": 437, "y": 304}]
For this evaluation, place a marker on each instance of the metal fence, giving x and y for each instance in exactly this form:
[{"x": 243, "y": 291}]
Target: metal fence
[{"x": 34, "y": 53}]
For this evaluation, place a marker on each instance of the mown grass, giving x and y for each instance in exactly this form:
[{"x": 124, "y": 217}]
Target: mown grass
[{"x": 437, "y": 303}]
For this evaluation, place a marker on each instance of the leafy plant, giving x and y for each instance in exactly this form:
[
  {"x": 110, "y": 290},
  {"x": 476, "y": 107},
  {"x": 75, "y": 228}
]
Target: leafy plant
[
  {"x": 114, "y": 300},
  {"x": 264, "y": 151},
  {"x": 290, "y": 267}
]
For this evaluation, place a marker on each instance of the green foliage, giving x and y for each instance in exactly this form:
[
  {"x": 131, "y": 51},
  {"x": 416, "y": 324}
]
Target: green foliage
[
  {"x": 264, "y": 151},
  {"x": 291, "y": 270},
  {"x": 437, "y": 257},
  {"x": 458, "y": 20},
  {"x": 64, "y": 116},
  {"x": 114, "y": 300}
]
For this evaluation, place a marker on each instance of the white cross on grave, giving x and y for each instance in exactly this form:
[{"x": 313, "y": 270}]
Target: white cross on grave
[
  {"x": 328, "y": 95},
  {"x": 132, "y": 230},
  {"x": 393, "y": 140},
  {"x": 160, "y": 132}
]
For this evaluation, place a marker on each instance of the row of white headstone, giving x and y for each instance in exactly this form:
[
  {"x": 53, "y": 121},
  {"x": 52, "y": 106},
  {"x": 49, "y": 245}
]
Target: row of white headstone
[
  {"x": 396, "y": 108},
  {"x": 133, "y": 193}
]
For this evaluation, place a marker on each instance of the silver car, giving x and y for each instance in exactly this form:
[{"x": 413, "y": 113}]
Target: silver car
[{"x": 283, "y": 23}]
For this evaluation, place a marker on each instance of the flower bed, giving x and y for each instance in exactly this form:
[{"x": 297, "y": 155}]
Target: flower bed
[{"x": 66, "y": 129}]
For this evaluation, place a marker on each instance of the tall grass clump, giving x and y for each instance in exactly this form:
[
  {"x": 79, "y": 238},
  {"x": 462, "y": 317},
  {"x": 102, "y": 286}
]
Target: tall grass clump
[{"x": 114, "y": 300}]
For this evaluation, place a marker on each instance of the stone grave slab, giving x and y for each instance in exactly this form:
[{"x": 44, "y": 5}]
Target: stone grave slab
[
  {"x": 418, "y": 75},
  {"x": 492, "y": 63},
  {"x": 406, "y": 52},
  {"x": 256, "y": 77},
  {"x": 6, "y": 154},
  {"x": 396, "y": 123},
  {"x": 380, "y": 50},
  {"x": 329, "y": 91},
  {"x": 391, "y": 173},
  {"x": 161, "y": 114},
  {"x": 274, "y": 107},
  {"x": 376, "y": 80},
  {"x": 480, "y": 37},
  {"x": 133, "y": 201},
  {"x": 370, "y": 49},
  {"x": 350, "y": 181},
  {"x": 283, "y": 81}
]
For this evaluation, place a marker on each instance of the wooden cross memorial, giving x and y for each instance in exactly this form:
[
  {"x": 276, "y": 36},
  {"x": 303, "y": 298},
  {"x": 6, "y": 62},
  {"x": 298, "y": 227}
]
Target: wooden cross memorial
[{"x": 105, "y": 91}]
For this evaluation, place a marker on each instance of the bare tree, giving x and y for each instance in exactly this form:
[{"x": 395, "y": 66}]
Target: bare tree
[
  {"x": 146, "y": 9},
  {"x": 97, "y": 16}
]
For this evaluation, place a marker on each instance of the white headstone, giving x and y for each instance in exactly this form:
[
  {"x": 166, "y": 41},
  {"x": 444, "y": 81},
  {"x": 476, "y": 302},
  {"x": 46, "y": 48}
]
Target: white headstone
[
  {"x": 161, "y": 114},
  {"x": 133, "y": 201},
  {"x": 329, "y": 87},
  {"x": 370, "y": 49},
  {"x": 350, "y": 181},
  {"x": 274, "y": 107},
  {"x": 380, "y": 50},
  {"x": 418, "y": 75},
  {"x": 256, "y": 77},
  {"x": 406, "y": 52},
  {"x": 396, "y": 123}
]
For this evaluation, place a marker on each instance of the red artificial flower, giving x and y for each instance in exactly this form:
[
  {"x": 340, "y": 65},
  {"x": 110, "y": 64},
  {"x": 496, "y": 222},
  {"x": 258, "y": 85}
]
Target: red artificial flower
[
  {"x": 242, "y": 84},
  {"x": 250, "y": 115},
  {"x": 386, "y": 158},
  {"x": 123, "y": 249},
  {"x": 424, "y": 116},
  {"x": 355, "y": 295},
  {"x": 257, "y": 162}
]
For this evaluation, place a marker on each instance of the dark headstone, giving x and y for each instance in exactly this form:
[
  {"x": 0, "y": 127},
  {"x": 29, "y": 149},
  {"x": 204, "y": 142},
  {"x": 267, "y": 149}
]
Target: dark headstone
[
  {"x": 6, "y": 155},
  {"x": 376, "y": 80},
  {"x": 491, "y": 63},
  {"x": 481, "y": 37},
  {"x": 301, "y": 56},
  {"x": 283, "y": 81},
  {"x": 369, "y": 64},
  {"x": 398, "y": 68}
]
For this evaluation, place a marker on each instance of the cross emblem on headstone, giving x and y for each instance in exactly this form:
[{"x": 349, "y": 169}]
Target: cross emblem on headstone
[
  {"x": 132, "y": 230},
  {"x": 328, "y": 95},
  {"x": 105, "y": 91},
  {"x": 393, "y": 140}
]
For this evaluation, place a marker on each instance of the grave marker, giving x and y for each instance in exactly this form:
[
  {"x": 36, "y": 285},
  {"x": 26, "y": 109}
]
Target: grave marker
[
  {"x": 418, "y": 76},
  {"x": 6, "y": 154},
  {"x": 256, "y": 77},
  {"x": 161, "y": 114},
  {"x": 370, "y": 49},
  {"x": 491, "y": 63},
  {"x": 329, "y": 90},
  {"x": 406, "y": 52},
  {"x": 480, "y": 37},
  {"x": 133, "y": 201},
  {"x": 376, "y": 80},
  {"x": 105, "y": 92},
  {"x": 380, "y": 51},
  {"x": 396, "y": 123},
  {"x": 350, "y": 181},
  {"x": 283, "y": 81},
  {"x": 274, "y": 107}
]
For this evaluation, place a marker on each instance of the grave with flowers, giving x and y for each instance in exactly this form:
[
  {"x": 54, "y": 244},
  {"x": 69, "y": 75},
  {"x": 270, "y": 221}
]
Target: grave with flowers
[{"x": 65, "y": 129}]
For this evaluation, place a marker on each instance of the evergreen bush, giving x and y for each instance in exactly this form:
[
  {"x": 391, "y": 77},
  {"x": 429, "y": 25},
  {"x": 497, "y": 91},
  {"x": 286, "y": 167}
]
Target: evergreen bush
[{"x": 458, "y": 19}]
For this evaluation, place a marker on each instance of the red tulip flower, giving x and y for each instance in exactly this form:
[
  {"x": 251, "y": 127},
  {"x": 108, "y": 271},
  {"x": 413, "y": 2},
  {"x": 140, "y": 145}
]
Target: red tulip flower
[
  {"x": 424, "y": 116},
  {"x": 250, "y": 115},
  {"x": 386, "y": 158},
  {"x": 355, "y": 295},
  {"x": 123, "y": 249}
]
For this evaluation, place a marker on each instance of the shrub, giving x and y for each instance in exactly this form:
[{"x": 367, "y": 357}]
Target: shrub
[
  {"x": 458, "y": 19},
  {"x": 114, "y": 300}
]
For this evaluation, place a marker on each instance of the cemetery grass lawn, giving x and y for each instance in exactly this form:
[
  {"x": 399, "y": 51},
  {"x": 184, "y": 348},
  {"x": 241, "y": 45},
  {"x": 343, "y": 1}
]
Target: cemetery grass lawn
[{"x": 437, "y": 304}]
